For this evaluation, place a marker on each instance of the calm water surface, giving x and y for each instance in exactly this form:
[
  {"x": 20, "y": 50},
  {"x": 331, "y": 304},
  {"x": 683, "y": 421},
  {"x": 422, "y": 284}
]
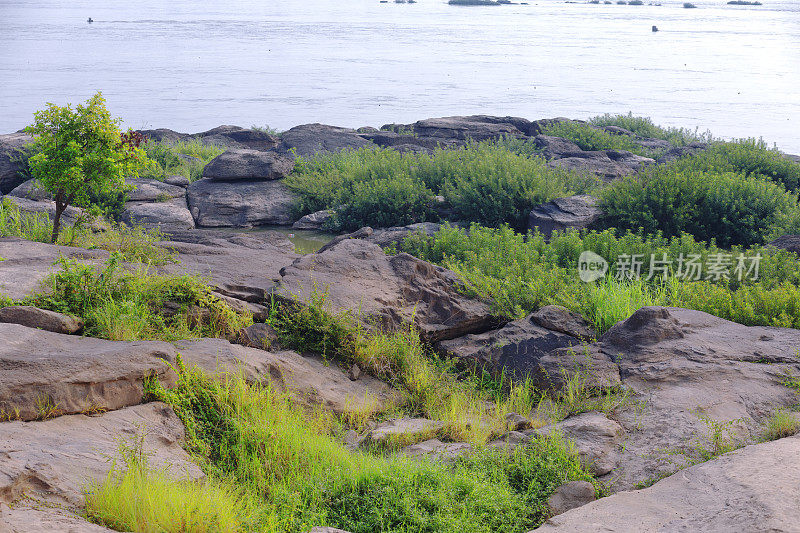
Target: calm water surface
[{"x": 192, "y": 65}]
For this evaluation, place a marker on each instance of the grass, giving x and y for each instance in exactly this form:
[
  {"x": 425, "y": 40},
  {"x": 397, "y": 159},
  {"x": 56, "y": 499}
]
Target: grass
[
  {"x": 489, "y": 182},
  {"x": 645, "y": 127},
  {"x": 590, "y": 138},
  {"x": 781, "y": 424},
  {"x": 181, "y": 158},
  {"x": 290, "y": 474}
]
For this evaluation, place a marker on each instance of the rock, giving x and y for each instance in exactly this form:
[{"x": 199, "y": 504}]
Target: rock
[
  {"x": 570, "y": 496},
  {"x": 402, "y": 431},
  {"x": 653, "y": 144},
  {"x": 66, "y": 374},
  {"x": 598, "y": 163},
  {"x": 314, "y": 220},
  {"x": 237, "y": 137},
  {"x": 354, "y": 373},
  {"x": 752, "y": 489},
  {"x": 436, "y": 449},
  {"x": 523, "y": 349},
  {"x": 25, "y": 518},
  {"x": 32, "y": 191},
  {"x": 168, "y": 215},
  {"x": 685, "y": 369},
  {"x": 517, "y": 422},
  {"x": 361, "y": 233},
  {"x": 792, "y": 158},
  {"x": 555, "y": 147},
  {"x": 242, "y": 204},
  {"x": 244, "y": 266},
  {"x": 27, "y": 263},
  {"x": 12, "y": 160},
  {"x": 388, "y": 236},
  {"x": 311, "y": 139},
  {"x": 54, "y": 460},
  {"x": 390, "y": 139},
  {"x": 677, "y": 152},
  {"x": 69, "y": 216},
  {"x": 147, "y": 190},
  {"x": 634, "y": 162},
  {"x": 476, "y": 127},
  {"x": 33, "y": 317},
  {"x": 165, "y": 135},
  {"x": 538, "y": 127},
  {"x": 358, "y": 276},
  {"x": 235, "y": 165},
  {"x": 561, "y": 319},
  {"x": 309, "y": 379},
  {"x": 790, "y": 243},
  {"x": 178, "y": 181},
  {"x": 258, "y": 335},
  {"x": 595, "y": 438},
  {"x": 576, "y": 212}
]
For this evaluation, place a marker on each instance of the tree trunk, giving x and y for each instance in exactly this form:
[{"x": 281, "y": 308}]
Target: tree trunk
[{"x": 60, "y": 207}]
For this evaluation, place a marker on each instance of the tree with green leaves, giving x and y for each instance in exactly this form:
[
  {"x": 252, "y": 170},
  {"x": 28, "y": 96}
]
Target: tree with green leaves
[{"x": 81, "y": 154}]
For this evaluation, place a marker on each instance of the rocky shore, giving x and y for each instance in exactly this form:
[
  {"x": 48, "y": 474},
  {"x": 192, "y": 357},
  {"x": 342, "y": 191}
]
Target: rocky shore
[{"x": 67, "y": 399}]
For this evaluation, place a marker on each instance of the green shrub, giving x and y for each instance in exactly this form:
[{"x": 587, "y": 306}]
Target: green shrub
[
  {"x": 590, "y": 138},
  {"x": 384, "y": 203},
  {"x": 165, "y": 159},
  {"x": 730, "y": 208},
  {"x": 748, "y": 156},
  {"x": 644, "y": 127}
]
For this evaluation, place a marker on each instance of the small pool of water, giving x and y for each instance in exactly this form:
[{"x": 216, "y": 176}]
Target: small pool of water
[{"x": 305, "y": 241}]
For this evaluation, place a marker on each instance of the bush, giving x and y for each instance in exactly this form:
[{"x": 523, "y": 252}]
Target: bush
[
  {"x": 644, "y": 127},
  {"x": 165, "y": 159},
  {"x": 588, "y": 137},
  {"x": 730, "y": 208},
  {"x": 384, "y": 203}
]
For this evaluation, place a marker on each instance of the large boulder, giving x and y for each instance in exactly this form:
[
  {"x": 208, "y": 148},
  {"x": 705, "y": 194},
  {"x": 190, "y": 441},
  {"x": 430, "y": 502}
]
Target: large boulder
[
  {"x": 555, "y": 147},
  {"x": 66, "y": 374},
  {"x": 563, "y": 320},
  {"x": 12, "y": 160},
  {"x": 27, "y": 263},
  {"x": 238, "y": 137},
  {"x": 314, "y": 220},
  {"x": 476, "y": 127},
  {"x": 358, "y": 276},
  {"x": 240, "y": 204},
  {"x": 167, "y": 215},
  {"x": 595, "y": 438},
  {"x": 573, "y": 212},
  {"x": 570, "y": 495},
  {"x": 522, "y": 349},
  {"x": 790, "y": 243},
  {"x": 236, "y": 165},
  {"x": 32, "y": 191},
  {"x": 311, "y": 139},
  {"x": 673, "y": 154},
  {"x": 33, "y": 317},
  {"x": 753, "y": 489},
  {"x": 148, "y": 190},
  {"x": 309, "y": 379},
  {"x": 689, "y": 372},
  {"x": 56, "y": 460}
]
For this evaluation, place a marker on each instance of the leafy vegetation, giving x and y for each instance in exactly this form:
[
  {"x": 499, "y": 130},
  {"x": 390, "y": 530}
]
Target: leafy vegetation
[
  {"x": 588, "y": 137},
  {"x": 644, "y": 127},
  {"x": 182, "y": 158}
]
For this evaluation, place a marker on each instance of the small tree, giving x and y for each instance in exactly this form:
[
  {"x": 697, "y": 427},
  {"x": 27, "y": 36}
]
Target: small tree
[{"x": 81, "y": 154}]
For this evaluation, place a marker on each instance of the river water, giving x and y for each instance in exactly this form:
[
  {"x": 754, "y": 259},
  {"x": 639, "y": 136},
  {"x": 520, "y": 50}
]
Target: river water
[{"x": 190, "y": 65}]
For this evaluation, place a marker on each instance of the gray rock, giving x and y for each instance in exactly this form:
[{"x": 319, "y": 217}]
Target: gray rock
[
  {"x": 436, "y": 449},
  {"x": 168, "y": 215},
  {"x": 178, "y": 181},
  {"x": 387, "y": 236},
  {"x": 358, "y": 276},
  {"x": 574, "y": 212},
  {"x": 32, "y": 191},
  {"x": 563, "y": 320},
  {"x": 313, "y": 220},
  {"x": 752, "y": 489},
  {"x": 238, "y": 137},
  {"x": 570, "y": 495},
  {"x": 790, "y": 243},
  {"x": 235, "y": 165},
  {"x": 165, "y": 135},
  {"x": 311, "y": 139},
  {"x": 33, "y": 317},
  {"x": 677, "y": 152},
  {"x": 401, "y": 142},
  {"x": 599, "y": 163},
  {"x": 55, "y": 460},
  {"x": 517, "y": 422},
  {"x": 69, "y": 216},
  {"x": 12, "y": 158},
  {"x": 595, "y": 437},
  {"x": 23, "y": 518},
  {"x": 68, "y": 374},
  {"x": 147, "y": 190},
  {"x": 240, "y": 204},
  {"x": 258, "y": 335},
  {"x": 555, "y": 147},
  {"x": 476, "y": 127},
  {"x": 523, "y": 349},
  {"x": 537, "y": 127}
]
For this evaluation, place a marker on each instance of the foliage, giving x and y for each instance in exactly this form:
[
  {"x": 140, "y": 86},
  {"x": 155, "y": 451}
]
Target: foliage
[
  {"x": 731, "y": 208},
  {"x": 29, "y": 226},
  {"x": 81, "y": 154},
  {"x": 781, "y": 424},
  {"x": 588, "y": 137},
  {"x": 644, "y": 127},
  {"x": 181, "y": 158}
]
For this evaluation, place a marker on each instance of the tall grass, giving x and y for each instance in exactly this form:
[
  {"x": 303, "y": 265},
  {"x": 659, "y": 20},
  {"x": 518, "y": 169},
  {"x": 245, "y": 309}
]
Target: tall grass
[{"x": 183, "y": 158}]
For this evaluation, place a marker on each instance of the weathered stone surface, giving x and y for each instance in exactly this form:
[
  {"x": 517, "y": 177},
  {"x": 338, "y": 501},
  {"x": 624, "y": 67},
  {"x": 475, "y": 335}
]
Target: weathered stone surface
[
  {"x": 311, "y": 139},
  {"x": 358, "y": 276},
  {"x": 595, "y": 437},
  {"x": 787, "y": 242},
  {"x": 523, "y": 349},
  {"x": 147, "y": 190},
  {"x": 258, "y": 335},
  {"x": 608, "y": 165},
  {"x": 555, "y": 147},
  {"x": 681, "y": 151},
  {"x": 307, "y": 378},
  {"x": 476, "y": 127},
  {"x": 24, "y": 518},
  {"x": 238, "y": 137},
  {"x": 240, "y": 204},
  {"x": 436, "y": 449},
  {"x": 11, "y": 156},
  {"x": 168, "y": 215},
  {"x": 33, "y": 317},
  {"x": 69, "y": 216},
  {"x": 178, "y": 181},
  {"x": 56, "y": 459},
  {"x": 561, "y": 319},
  {"x": 244, "y": 266},
  {"x": 401, "y": 430},
  {"x": 517, "y": 422},
  {"x": 387, "y": 236},
  {"x": 683, "y": 366},
  {"x": 32, "y": 191},
  {"x": 313, "y": 220},
  {"x": 570, "y": 496},
  {"x": 390, "y": 139},
  {"x": 574, "y": 212},
  {"x": 165, "y": 135},
  {"x": 68, "y": 374},
  {"x": 27, "y": 263},
  {"x": 753, "y": 489},
  {"x": 235, "y": 165}
]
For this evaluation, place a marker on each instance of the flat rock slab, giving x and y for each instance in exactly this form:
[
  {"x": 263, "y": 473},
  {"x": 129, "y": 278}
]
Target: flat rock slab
[
  {"x": 402, "y": 430},
  {"x": 307, "y": 378},
  {"x": 147, "y": 190},
  {"x": 57, "y": 459},
  {"x": 33, "y": 317},
  {"x": 236, "y": 165},
  {"x": 240, "y": 204},
  {"x": 756, "y": 488},
  {"x": 25, "y": 264},
  {"x": 574, "y": 212},
  {"x": 309, "y": 140},
  {"x": 43, "y": 519},
  {"x": 166, "y": 215},
  {"x": 43, "y": 372},
  {"x": 358, "y": 276}
]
